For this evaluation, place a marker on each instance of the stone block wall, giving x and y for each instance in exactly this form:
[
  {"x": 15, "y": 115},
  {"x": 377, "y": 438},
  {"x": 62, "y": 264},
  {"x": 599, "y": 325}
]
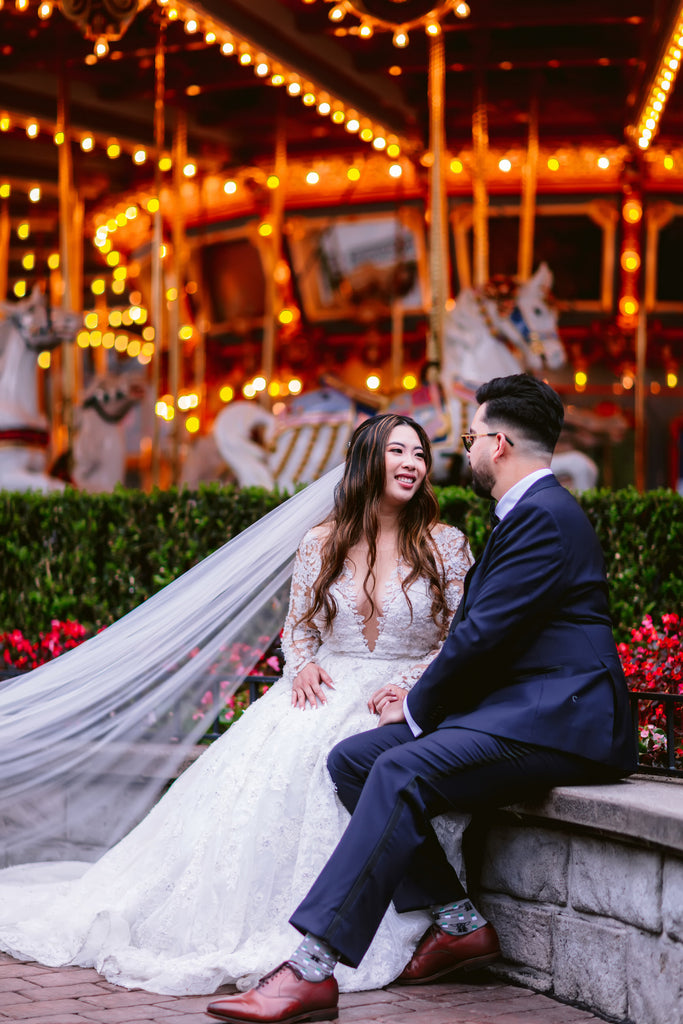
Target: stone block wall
[{"x": 590, "y": 911}]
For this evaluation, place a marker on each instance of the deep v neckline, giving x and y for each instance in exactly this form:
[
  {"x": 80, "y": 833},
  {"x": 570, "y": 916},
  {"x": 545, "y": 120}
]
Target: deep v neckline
[{"x": 392, "y": 584}]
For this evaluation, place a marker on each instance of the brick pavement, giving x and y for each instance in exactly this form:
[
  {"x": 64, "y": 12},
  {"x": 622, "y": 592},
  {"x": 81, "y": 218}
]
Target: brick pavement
[{"x": 31, "y": 994}]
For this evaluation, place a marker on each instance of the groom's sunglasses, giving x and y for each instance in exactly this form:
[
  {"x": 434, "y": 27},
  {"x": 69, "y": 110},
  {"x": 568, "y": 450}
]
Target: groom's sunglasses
[{"x": 469, "y": 439}]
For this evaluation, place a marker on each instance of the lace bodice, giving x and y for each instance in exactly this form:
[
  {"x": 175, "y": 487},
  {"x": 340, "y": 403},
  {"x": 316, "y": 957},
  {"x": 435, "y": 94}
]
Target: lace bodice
[{"x": 400, "y": 636}]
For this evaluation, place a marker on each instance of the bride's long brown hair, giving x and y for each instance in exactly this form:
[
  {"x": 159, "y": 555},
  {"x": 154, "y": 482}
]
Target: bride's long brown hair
[{"x": 356, "y": 514}]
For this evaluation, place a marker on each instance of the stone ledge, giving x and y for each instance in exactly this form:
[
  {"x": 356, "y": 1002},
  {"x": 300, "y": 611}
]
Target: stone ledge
[{"x": 645, "y": 808}]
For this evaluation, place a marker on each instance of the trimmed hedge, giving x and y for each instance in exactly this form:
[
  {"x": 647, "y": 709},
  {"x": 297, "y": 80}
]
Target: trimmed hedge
[{"x": 94, "y": 557}]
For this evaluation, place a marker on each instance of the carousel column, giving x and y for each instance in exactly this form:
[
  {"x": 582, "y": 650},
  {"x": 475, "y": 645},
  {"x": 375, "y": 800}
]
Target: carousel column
[
  {"x": 480, "y": 145},
  {"x": 632, "y": 316},
  {"x": 272, "y": 254},
  {"x": 71, "y": 257},
  {"x": 438, "y": 251},
  {"x": 179, "y": 260},
  {"x": 157, "y": 242},
  {"x": 525, "y": 254}
]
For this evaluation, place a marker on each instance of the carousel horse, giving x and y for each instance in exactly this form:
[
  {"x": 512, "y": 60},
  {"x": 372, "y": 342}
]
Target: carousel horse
[
  {"x": 30, "y": 326},
  {"x": 99, "y": 450}
]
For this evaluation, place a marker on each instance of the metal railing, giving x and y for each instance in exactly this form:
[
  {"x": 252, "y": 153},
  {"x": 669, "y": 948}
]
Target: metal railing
[{"x": 665, "y": 761}]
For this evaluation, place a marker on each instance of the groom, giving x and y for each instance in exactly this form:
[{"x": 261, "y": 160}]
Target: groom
[{"x": 527, "y": 693}]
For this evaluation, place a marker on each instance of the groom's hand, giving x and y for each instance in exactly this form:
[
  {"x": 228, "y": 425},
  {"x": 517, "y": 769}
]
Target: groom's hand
[
  {"x": 392, "y": 712},
  {"x": 383, "y": 696},
  {"x": 308, "y": 686}
]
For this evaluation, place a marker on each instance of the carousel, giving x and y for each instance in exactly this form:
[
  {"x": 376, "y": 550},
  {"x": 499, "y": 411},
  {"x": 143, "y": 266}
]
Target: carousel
[{"x": 228, "y": 231}]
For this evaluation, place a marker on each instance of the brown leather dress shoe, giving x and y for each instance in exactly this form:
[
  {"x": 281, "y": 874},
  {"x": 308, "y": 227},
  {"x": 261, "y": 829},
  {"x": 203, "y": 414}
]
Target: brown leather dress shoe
[
  {"x": 281, "y": 997},
  {"x": 439, "y": 954}
]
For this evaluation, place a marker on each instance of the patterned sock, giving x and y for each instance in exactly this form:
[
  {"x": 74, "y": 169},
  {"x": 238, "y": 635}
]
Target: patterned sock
[
  {"x": 314, "y": 959},
  {"x": 458, "y": 918}
]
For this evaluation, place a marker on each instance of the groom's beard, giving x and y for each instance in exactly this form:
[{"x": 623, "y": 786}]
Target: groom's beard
[{"x": 483, "y": 482}]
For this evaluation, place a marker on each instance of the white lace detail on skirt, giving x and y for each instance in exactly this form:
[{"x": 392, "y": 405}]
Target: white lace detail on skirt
[{"x": 200, "y": 892}]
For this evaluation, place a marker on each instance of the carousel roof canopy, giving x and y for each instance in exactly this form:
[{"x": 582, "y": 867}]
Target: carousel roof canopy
[{"x": 325, "y": 79}]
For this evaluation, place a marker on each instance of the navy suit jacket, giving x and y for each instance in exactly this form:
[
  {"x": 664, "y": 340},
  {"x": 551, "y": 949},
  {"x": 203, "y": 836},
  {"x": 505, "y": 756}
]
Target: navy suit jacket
[{"x": 530, "y": 655}]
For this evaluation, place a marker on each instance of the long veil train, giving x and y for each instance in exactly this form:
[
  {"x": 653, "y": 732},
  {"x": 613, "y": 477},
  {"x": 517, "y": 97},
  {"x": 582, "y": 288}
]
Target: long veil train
[{"x": 88, "y": 741}]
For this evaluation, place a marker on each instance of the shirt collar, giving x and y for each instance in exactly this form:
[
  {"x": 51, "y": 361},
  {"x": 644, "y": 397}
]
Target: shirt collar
[{"x": 512, "y": 496}]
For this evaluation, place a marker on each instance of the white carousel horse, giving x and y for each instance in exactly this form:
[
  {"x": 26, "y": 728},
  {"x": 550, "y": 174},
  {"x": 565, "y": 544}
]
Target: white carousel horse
[
  {"x": 30, "y": 326},
  {"x": 99, "y": 451}
]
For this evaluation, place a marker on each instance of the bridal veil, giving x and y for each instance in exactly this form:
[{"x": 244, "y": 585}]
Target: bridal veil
[{"x": 89, "y": 740}]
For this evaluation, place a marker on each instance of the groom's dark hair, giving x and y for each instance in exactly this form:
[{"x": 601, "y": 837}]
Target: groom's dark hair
[{"x": 524, "y": 404}]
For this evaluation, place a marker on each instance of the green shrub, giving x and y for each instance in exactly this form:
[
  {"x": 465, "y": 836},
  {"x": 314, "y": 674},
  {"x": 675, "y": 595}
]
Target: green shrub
[{"x": 94, "y": 557}]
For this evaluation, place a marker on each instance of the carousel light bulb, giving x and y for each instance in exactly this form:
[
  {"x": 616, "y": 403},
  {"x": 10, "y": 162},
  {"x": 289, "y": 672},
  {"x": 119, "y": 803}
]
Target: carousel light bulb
[
  {"x": 23, "y": 230},
  {"x": 87, "y": 143},
  {"x": 669, "y": 162},
  {"x": 32, "y": 129},
  {"x": 505, "y": 165},
  {"x": 191, "y": 25},
  {"x": 45, "y": 10},
  {"x": 432, "y": 28},
  {"x": 21, "y": 5},
  {"x": 226, "y": 393},
  {"x": 210, "y": 38},
  {"x": 295, "y": 386},
  {"x": 5, "y": 190},
  {"x": 462, "y": 10},
  {"x": 373, "y": 382},
  {"x": 308, "y": 99},
  {"x": 630, "y": 260},
  {"x": 312, "y": 178},
  {"x": 190, "y": 169},
  {"x": 272, "y": 181},
  {"x": 227, "y": 48},
  {"x": 337, "y": 13},
  {"x": 262, "y": 69},
  {"x": 277, "y": 79},
  {"x": 53, "y": 260},
  {"x": 294, "y": 88},
  {"x": 379, "y": 142},
  {"x": 139, "y": 156},
  {"x": 44, "y": 360},
  {"x": 400, "y": 38},
  {"x": 34, "y": 194},
  {"x": 101, "y": 47},
  {"x": 671, "y": 380},
  {"x": 246, "y": 58},
  {"x": 259, "y": 383},
  {"x": 366, "y": 31},
  {"x": 230, "y": 187},
  {"x": 113, "y": 149},
  {"x": 28, "y": 261},
  {"x": 603, "y": 162},
  {"x": 338, "y": 116},
  {"x": 409, "y": 382},
  {"x": 456, "y": 166},
  {"x": 5, "y": 123},
  {"x": 353, "y": 125},
  {"x": 353, "y": 174},
  {"x": 324, "y": 108},
  {"x": 395, "y": 170}
]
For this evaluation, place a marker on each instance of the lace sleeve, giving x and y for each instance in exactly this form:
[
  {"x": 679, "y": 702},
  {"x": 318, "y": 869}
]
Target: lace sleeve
[
  {"x": 456, "y": 557},
  {"x": 301, "y": 641}
]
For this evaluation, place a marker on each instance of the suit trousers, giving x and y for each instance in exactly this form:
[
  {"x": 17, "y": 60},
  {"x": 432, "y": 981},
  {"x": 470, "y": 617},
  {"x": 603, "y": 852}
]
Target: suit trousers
[{"x": 393, "y": 784}]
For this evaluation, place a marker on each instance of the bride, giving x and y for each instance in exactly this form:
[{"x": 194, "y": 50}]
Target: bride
[{"x": 198, "y": 894}]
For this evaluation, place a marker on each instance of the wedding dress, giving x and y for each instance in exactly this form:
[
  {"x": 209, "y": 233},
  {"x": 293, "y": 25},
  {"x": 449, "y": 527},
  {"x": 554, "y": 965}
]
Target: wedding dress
[{"x": 199, "y": 893}]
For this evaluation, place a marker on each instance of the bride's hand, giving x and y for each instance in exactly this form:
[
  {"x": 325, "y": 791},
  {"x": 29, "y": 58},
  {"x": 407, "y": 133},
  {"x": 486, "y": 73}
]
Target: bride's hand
[
  {"x": 385, "y": 695},
  {"x": 308, "y": 686}
]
